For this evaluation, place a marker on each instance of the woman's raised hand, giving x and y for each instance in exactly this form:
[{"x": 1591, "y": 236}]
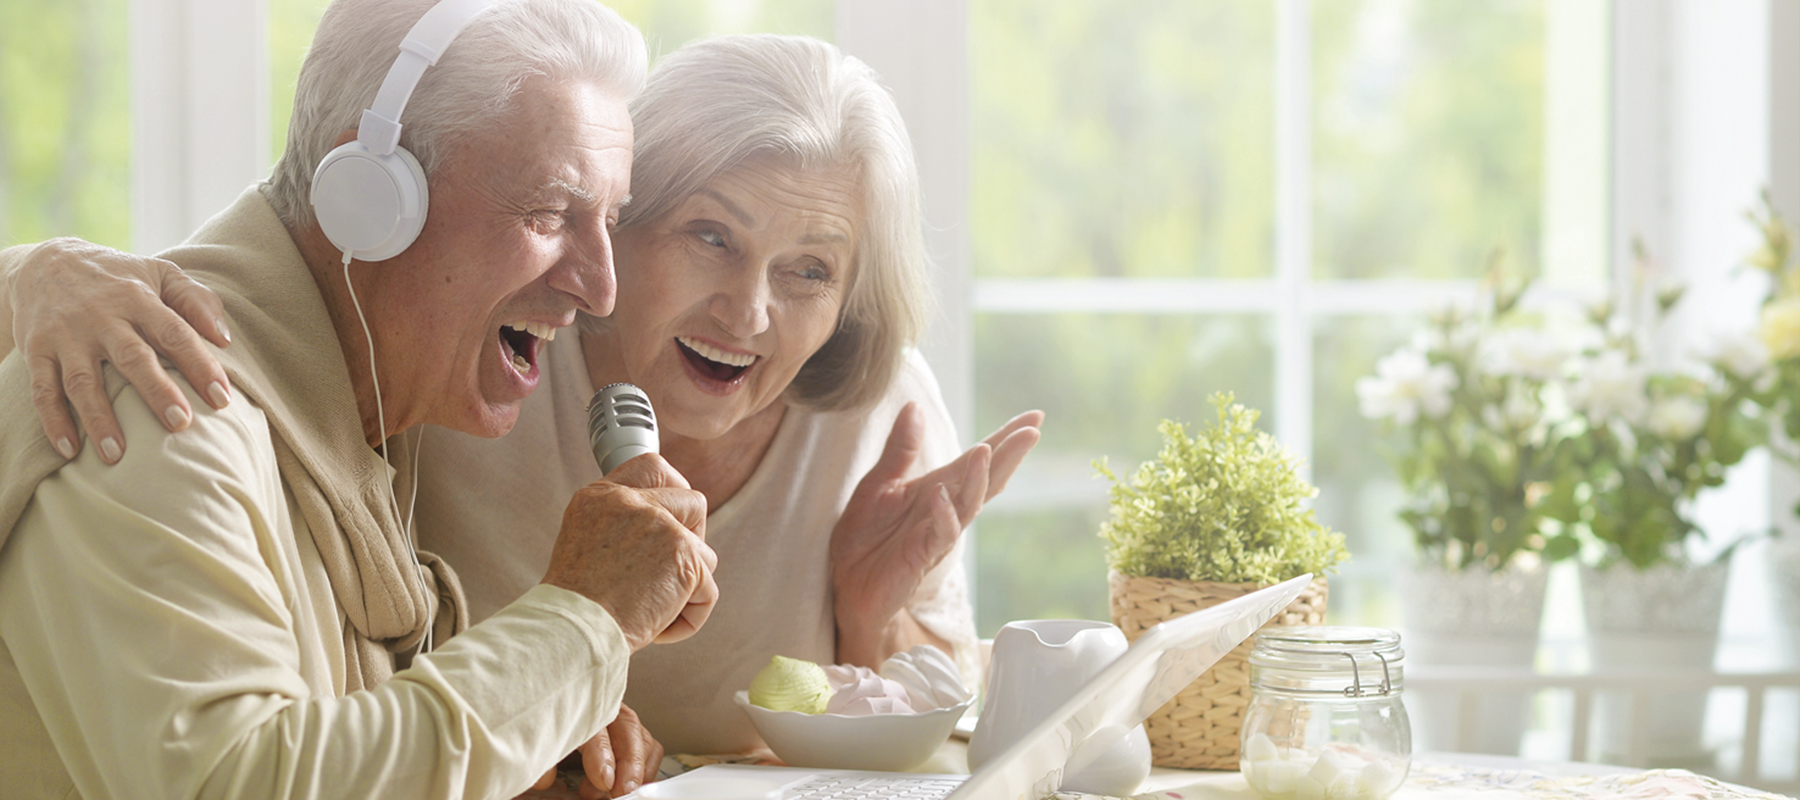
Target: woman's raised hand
[
  {"x": 73, "y": 305},
  {"x": 895, "y": 530}
]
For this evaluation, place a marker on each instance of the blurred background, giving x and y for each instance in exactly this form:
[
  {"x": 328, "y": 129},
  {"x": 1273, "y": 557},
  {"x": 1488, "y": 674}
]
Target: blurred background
[{"x": 1134, "y": 205}]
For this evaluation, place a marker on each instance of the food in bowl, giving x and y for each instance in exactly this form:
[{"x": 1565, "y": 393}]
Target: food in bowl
[
  {"x": 919, "y": 679},
  {"x": 890, "y": 719},
  {"x": 790, "y": 684}
]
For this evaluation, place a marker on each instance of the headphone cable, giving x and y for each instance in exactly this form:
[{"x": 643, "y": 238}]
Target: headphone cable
[{"x": 425, "y": 642}]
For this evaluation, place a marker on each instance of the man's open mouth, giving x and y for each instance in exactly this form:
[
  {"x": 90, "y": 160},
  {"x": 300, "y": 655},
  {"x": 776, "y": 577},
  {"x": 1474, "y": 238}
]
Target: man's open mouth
[
  {"x": 712, "y": 362},
  {"x": 519, "y": 342}
]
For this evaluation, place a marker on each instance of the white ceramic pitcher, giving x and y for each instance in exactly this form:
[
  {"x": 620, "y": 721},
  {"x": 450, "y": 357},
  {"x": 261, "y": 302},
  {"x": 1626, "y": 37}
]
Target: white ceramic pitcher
[{"x": 1036, "y": 667}]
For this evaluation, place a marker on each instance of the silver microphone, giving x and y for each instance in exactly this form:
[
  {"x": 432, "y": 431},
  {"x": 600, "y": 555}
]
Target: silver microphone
[{"x": 621, "y": 425}]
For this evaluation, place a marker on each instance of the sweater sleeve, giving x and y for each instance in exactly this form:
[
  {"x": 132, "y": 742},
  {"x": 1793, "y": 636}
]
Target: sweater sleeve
[{"x": 153, "y": 615}]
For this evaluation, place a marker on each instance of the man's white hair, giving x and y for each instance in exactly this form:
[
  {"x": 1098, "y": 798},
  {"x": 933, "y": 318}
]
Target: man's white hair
[{"x": 473, "y": 84}]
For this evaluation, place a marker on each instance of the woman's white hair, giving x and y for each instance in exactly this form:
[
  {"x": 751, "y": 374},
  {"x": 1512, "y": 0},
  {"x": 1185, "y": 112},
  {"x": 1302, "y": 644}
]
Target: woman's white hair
[
  {"x": 717, "y": 103},
  {"x": 472, "y": 85}
]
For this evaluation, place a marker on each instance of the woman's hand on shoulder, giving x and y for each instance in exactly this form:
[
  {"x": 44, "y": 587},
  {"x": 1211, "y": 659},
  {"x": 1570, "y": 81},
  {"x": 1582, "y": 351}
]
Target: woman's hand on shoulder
[
  {"x": 895, "y": 530},
  {"x": 74, "y": 305}
]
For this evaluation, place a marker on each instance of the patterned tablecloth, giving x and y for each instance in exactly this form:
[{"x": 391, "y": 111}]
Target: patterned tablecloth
[
  {"x": 1435, "y": 779},
  {"x": 1438, "y": 776}
]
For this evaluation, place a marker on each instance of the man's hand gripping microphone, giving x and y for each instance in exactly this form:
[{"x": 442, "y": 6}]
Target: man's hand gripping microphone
[{"x": 622, "y": 426}]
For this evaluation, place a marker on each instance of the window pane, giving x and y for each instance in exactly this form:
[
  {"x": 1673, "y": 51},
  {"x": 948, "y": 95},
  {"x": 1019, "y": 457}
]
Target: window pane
[
  {"x": 1103, "y": 382},
  {"x": 1116, "y": 139},
  {"x": 1428, "y": 136},
  {"x": 291, "y": 26},
  {"x": 65, "y": 121},
  {"x": 1359, "y": 494}
]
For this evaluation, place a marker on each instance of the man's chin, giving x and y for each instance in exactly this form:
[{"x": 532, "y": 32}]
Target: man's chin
[{"x": 493, "y": 421}]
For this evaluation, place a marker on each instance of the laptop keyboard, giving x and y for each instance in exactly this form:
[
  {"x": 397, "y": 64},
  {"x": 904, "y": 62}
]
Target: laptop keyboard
[{"x": 858, "y": 788}]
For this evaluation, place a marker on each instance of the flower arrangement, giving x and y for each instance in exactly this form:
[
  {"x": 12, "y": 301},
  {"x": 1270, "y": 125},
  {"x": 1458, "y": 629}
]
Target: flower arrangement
[
  {"x": 1778, "y": 327},
  {"x": 1526, "y": 436},
  {"x": 1223, "y": 505}
]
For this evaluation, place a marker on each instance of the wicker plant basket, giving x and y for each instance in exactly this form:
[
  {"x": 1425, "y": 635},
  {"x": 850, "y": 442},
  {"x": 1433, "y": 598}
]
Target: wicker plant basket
[{"x": 1199, "y": 728}]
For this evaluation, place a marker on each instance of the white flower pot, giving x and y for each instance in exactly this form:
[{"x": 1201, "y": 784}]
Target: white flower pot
[
  {"x": 1784, "y": 587},
  {"x": 1665, "y": 617},
  {"x": 1471, "y": 618}
]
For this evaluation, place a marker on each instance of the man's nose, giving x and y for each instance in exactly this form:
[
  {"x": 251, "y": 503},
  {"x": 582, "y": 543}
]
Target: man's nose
[{"x": 587, "y": 272}]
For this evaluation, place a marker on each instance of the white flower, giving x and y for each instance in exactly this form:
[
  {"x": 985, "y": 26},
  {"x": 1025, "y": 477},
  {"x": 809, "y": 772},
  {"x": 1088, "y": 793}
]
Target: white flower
[
  {"x": 1780, "y": 328},
  {"x": 1677, "y": 418},
  {"x": 1518, "y": 412},
  {"x": 1740, "y": 355},
  {"x": 1405, "y": 385},
  {"x": 1609, "y": 386},
  {"x": 1526, "y": 352}
]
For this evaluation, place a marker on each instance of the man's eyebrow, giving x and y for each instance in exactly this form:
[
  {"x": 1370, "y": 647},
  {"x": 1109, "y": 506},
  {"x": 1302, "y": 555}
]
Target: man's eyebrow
[
  {"x": 731, "y": 208},
  {"x": 559, "y": 186}
]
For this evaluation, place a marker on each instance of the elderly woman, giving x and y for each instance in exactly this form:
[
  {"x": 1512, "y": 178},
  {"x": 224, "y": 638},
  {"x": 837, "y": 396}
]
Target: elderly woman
[{"x": 771, "y": 279}]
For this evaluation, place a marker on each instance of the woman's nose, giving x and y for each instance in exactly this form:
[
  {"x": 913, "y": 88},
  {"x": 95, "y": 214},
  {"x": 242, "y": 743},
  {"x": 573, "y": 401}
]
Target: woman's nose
[{"x": 742, "y": 305}]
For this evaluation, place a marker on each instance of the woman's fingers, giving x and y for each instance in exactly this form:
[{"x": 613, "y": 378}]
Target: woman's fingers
[
  {"x": 902, "y": 448},
  {"x": 597, "y": 762},
  {"x": 946, "y": 526},
  {"x": 172, "y": 336},
  {"x": 139, "y": 364},
  {"x": 1008, "y": 455},
  {"x": 972, "y": 491},
  {"x": 52, "y": 410},
  {"x": 1028, "y": 419},
  {"x": 85, "y": 388},
  {"x": 198, "y": 305}
]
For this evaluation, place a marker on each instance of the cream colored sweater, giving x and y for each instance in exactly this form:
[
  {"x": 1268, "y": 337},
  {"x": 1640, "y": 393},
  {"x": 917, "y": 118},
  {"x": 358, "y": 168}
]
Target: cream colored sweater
[{"x": 212, "y": 617}]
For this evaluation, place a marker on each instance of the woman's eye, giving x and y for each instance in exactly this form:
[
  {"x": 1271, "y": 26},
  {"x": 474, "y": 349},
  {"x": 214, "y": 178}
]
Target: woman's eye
[
  {"x": 812, "y": 271},
  {"x": 712, "y": 237}
]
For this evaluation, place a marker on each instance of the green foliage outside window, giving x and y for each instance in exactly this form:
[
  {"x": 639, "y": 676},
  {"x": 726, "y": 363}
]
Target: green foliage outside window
[
  {"x": 65, "y": 121},
  {"x": 1122, "y": 139}
]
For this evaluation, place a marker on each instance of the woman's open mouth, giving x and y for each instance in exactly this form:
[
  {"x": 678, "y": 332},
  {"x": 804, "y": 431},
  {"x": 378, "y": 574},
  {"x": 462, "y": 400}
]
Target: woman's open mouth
[
  {"x": 519, "y": 343},
  {"x": 713, "y": 363}
]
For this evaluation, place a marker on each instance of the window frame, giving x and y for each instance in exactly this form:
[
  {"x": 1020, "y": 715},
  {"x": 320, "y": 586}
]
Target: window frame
[
  {"x": 921, "y": 49},
  {"x": 200, "y": 135}
]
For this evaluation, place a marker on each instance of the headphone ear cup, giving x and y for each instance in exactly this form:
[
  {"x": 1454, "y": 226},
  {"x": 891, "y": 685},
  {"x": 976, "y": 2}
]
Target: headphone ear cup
[{"x": 370, "y": 206}]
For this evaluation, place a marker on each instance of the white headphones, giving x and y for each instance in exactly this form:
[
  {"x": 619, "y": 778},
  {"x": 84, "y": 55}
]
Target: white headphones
[{"x": 369, "y": 195}]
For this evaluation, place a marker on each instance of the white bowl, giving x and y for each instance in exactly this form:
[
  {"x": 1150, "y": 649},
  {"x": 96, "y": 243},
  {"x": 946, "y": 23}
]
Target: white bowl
[{"x": 887, "y": 742}]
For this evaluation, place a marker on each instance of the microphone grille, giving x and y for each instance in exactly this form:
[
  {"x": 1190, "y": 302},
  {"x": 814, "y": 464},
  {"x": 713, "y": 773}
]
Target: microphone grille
[{"x": 620, "y": 406}]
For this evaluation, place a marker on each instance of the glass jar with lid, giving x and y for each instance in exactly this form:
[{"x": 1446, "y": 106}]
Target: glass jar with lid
[{"x": 1325, "y": 720}]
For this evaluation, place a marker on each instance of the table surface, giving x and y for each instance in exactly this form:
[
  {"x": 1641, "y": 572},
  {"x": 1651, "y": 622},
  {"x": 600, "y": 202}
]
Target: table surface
[{"x": 1434, "y": 776}]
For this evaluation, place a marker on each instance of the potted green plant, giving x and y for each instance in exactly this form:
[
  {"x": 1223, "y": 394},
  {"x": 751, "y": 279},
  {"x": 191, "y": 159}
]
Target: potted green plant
[
  {"x": 1216, "y": 515},
  {"x": 1525, "y": 438}
]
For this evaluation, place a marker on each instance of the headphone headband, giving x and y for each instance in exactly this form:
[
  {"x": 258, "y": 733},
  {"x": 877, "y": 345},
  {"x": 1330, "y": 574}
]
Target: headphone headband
[
  {"x": 423, "y": 46},
  {"x": 370, "y": 195}
]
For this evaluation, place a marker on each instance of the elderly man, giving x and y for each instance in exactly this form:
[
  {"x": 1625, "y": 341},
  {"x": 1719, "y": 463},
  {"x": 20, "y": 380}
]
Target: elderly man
[{"x": 219, "y": 614}]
